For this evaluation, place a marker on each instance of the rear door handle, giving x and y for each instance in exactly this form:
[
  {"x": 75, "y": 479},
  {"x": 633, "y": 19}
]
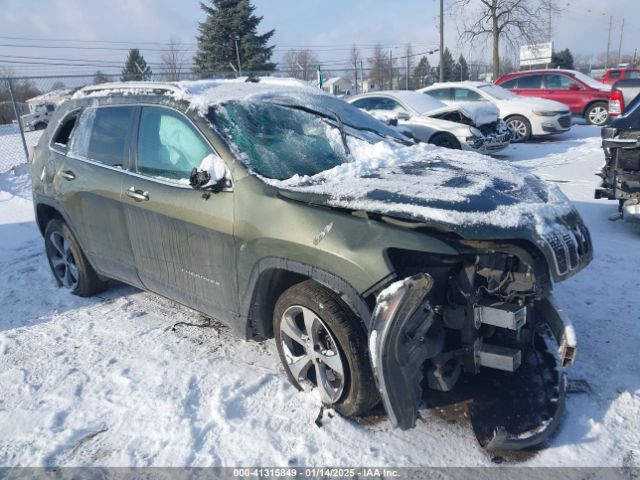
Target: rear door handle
[
  {"x": 68, "y": 175},
  {"x": 137, "y": 195}
]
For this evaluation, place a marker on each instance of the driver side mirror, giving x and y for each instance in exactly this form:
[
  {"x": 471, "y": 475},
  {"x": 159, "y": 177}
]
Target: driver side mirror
[
  {"x": 201, "y": 180},
  {"x": 574, "y": 86},
  {"x": 402, "y": 116}
]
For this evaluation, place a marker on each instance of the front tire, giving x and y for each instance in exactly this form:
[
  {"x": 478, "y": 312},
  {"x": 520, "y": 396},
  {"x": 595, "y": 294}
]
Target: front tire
[
  {"x": 597, "y": 114},
  {"x": 445, "y": 140},
  {"x": 323, "y": 345},
  {"x": 68, "y": 264},
  {"x": 519, "y": 127}
]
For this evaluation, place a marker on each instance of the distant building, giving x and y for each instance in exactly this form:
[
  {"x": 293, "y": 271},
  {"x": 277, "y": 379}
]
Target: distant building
[
  {"x": 339, "y": 86},
  {"x": 370, "y": 86}
]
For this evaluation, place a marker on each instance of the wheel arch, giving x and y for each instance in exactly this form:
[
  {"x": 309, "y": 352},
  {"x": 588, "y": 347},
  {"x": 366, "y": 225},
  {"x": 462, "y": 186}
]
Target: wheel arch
[
  {"x": 445, "y": 133},
  {"x": 44, "y": 214},
  {"x": 591, "y": 104},
  {"x": 271, "y": 276}
]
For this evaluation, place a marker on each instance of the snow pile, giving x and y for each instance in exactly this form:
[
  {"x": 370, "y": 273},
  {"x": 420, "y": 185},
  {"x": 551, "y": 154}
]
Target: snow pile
[{"x": 432, "y": 184}]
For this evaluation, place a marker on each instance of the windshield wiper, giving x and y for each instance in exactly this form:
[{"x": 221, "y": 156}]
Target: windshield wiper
[{"x": 343, "y": 134}]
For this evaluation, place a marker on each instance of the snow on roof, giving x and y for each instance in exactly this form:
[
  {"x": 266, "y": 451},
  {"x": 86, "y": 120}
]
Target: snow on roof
[
  {"x": 201, "y": 94},
  {"x": 419, "y": 102},
  {"x": 54, "y": 96},
  {"x": 466, "y": 83}
]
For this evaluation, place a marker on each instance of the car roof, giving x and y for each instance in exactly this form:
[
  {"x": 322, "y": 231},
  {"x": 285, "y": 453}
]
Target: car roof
[
  {"x": 410, "y": 98},
  {"x": 543, "y": 70},
  {"x": 203, "y": 93},
  {"x": 467, "y": 83}
]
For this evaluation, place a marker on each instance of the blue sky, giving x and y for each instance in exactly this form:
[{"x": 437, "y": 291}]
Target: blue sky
[{"x": 328, "y": 26}]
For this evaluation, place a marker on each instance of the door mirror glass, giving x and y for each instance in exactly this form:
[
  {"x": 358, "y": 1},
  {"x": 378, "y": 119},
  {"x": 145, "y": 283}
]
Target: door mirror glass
[{"x": 574, "y": 86}]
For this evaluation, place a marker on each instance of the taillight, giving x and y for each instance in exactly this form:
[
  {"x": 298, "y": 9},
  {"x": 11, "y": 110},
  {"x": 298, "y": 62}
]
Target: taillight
[{"x": 616, "y": 103}]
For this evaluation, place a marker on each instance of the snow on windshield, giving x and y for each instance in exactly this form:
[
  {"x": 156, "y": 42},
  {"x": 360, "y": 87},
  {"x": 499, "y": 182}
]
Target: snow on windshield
[
  {"x": 498, "y": 92},
  {"x": 432, "y": 184}
]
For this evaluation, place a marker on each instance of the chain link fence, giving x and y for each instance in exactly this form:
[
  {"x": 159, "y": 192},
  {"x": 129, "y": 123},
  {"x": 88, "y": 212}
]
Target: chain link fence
[{"x": 27, "y": 103}]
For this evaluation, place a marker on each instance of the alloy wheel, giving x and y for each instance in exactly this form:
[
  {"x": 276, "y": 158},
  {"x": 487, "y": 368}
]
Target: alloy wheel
[
  {"x": 312, "y": 353},
  {"x": 518, "y": 129},
  {"x": 598, "y": 115},
  {"x": 63, "y": 261}
]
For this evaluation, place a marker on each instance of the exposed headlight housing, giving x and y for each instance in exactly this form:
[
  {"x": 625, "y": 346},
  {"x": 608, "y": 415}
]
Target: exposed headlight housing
[{"x": 475, "y": 141}]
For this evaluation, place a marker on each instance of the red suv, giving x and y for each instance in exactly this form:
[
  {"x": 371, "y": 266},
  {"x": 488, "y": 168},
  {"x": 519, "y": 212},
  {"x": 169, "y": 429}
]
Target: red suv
[{"x": 584, "y": 95}]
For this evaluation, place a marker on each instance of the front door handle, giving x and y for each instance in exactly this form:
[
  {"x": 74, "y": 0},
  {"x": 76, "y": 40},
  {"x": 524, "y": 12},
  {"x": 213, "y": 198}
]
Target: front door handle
[
  {"x": 137, "y": 195},
  {"x": 68, "y": 175}
]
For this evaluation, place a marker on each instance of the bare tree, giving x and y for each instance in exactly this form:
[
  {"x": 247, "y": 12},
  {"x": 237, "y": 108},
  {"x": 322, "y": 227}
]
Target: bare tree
[
  {"x": 173, "y": 60},
  {"x": 354, "y": 63},
  {"x": 300, "y": 63},
  {"x": 510, "y": 21},
  {"x": 380, "y": 66}
]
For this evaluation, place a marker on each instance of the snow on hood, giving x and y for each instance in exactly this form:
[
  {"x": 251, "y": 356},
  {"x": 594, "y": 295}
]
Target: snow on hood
[
  {"x": 536, "y": 102},
  {"x": 434, "y": 185},
  {"x": 480, "y": 113}
]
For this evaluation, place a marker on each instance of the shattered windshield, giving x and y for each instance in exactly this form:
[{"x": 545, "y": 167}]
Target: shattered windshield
[{"x": 279, "y": 141}]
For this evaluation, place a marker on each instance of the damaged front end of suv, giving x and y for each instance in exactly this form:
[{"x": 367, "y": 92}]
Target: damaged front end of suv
[{"x": 488, "y": 308}]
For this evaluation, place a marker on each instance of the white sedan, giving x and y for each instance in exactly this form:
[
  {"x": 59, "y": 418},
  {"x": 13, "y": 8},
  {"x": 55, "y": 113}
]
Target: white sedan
[
  {"x": 525, "y": 116},
  {"x": 474, "y": 127}
]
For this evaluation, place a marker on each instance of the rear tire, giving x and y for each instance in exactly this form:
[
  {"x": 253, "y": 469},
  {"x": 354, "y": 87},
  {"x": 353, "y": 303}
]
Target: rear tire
[
  {"x": 318, "y": 336},
  {"x": 519, "y": 127},
  {"x": 597, "y": 114},
  {"x": 40, "y": 126},
  {"x": 445, "y": 140},
  {"x": 68, "y": 264}
]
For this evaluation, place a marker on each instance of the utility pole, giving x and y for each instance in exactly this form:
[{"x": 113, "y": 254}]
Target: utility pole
[
  {"x": 355, "y": 69},
  {"x": 390, "y": 69},
  {"x": 550, "y": 34},
  {"x": 362, "y": 75},
  {"x": 620, "y": 45},
  {"x": 408, "y": 72},
  {"x": 635, "y": 54},
  {"x": 441, "y": 40},
  {"x": 606, "y": 63}
]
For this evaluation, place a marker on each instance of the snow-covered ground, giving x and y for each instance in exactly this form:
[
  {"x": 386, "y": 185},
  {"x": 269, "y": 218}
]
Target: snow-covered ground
[{"x": 107, "y": 381}]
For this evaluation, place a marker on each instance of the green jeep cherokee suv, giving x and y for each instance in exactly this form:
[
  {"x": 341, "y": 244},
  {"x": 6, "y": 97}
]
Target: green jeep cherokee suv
[{"x": 382, "y": 267}]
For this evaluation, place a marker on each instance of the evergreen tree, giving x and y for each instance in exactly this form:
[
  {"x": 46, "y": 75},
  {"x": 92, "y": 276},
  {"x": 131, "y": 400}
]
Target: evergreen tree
[
  {"x": 231, "y": 24},
  {"x": 421, "y": 73},
  {"x": 562, "y": 59},
  {"x": 461, "y": 70},
  {"x": 135, "y": 68},
  {"x": 449, "y": 66}
]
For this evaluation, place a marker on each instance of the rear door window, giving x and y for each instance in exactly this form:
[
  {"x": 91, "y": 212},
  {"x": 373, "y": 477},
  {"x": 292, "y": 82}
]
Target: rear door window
[
  {"x": 440, "y": 93},
  {"x": 529, "y": 82},
  {"x": 102, "y": 135},
  {"x": 169, "y": 147},
  {"x": 466, "y": 95},
  {"x": 557, "y": 82}
]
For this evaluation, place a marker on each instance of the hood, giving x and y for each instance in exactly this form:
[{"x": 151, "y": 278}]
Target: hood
[
  {"x": 475, "y": 196},
  {"x": 480, "y": 113},
  {"x": 539, "y": 103}
]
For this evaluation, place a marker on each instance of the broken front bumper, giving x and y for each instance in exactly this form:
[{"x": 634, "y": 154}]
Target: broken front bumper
[{"x": 404, "y": 335}]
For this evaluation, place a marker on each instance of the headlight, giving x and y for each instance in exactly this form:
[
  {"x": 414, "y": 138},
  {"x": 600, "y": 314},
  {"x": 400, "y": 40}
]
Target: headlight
[
  {"x": 475, "y": 132},
  {"x": 547, "y": 113}
]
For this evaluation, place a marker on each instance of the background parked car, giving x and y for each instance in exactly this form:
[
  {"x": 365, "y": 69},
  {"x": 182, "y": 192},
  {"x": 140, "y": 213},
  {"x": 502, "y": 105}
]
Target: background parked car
[
  {"x": 612, "y": 75},
  {"x": 524, "y": 116},
  {"x": 621, "y": 171},
  {"x": 584, "y": 95},
  {"x": 622, "y": 94},
  {"x": 475, "y": 127}
]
